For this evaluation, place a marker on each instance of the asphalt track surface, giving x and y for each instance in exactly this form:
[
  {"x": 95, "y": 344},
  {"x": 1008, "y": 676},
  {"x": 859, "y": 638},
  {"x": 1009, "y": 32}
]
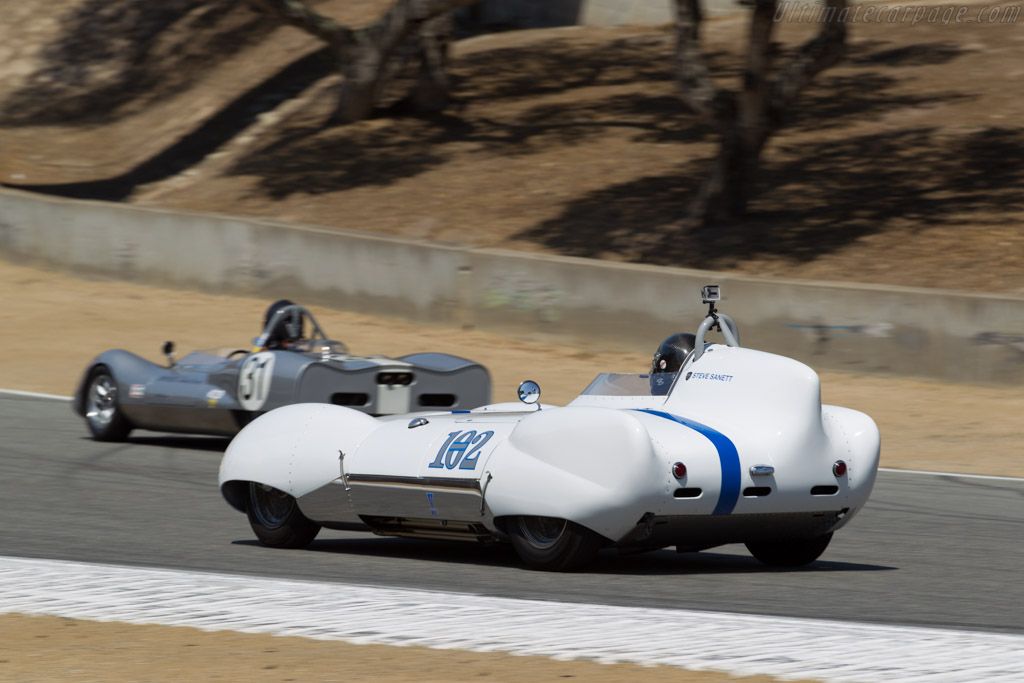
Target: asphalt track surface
[{"x": 935, "y": 551}]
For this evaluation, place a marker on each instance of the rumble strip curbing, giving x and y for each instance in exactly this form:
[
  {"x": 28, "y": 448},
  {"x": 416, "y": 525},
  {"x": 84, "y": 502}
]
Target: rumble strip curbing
[{"x": 734, "y": 643}]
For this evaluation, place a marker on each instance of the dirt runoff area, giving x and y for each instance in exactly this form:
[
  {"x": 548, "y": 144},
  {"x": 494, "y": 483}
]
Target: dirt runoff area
[
  {"x": 54, "y": 649},
  {"x": 63, "y": 322}
]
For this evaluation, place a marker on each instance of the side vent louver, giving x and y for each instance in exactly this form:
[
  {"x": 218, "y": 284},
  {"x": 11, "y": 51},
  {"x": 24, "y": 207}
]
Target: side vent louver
[
  {"x": 350, "y": 399},
  {"x": 437, "y": 400}
]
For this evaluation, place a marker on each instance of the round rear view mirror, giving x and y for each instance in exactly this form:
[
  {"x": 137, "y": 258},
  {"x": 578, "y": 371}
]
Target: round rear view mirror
[{"x": 529, "y": 392}]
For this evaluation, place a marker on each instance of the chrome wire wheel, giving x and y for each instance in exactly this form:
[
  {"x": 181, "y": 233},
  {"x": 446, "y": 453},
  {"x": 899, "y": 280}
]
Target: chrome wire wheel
[
  {"x": 101, "y": 403},
  {"x": 102, "y": 408},
  {"x": 270, "y": 506},
  {"x": 543, "y": 533}
]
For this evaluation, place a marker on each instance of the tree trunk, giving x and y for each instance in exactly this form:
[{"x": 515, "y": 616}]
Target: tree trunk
[
  {"x": 433, "y": 86},
  {"x": 727, "y": 190},
  {"x": 746, "y": 120},
  {"x": 370, "y": 57}
]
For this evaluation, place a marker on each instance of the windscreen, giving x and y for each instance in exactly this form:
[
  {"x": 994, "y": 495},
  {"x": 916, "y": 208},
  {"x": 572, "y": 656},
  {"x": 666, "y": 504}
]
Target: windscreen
[
  {"x": 620, "y": 384},
  {"x": 323, "y": 346}
]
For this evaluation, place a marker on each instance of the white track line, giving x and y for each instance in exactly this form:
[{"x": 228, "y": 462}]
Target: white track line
[
  {"x": 833, "y": 651},
  {"x": 33, "y": 394},
  {"x": 950, "y": 474}
]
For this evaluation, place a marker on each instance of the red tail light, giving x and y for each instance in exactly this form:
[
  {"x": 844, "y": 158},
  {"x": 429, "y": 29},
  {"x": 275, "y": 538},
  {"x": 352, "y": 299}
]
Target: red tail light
[
  {"x": 839, "y": 468},
  {"x": 679, "y": 470}
]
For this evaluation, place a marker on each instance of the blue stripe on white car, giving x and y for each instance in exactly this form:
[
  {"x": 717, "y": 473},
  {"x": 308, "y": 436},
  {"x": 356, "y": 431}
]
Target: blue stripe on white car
[{"x": 727, "y": 456}]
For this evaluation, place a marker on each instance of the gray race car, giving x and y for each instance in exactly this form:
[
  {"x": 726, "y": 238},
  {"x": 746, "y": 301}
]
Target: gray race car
[{"x": 218, "y": 392}]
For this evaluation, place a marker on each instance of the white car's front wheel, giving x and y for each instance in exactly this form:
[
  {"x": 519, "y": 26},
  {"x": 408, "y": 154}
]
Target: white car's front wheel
[
  {"x": 789, "y": 553},
  {"x": 553, "y": 544},
  {"x": 276, "y": 520}
]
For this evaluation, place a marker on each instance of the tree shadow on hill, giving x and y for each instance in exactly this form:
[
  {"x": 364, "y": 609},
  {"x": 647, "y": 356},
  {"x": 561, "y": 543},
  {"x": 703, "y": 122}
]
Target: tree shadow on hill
[
  {"x": 114, "y": 53},
  {"x": 316, "y": 159},
  {"x": 818, "y": 198},
  {"x": 579, "y": 84},
  {"x": 326, "y": 157},
  {"x": 311, "y": 159},
  {"x": 191, "y": 148},
  {"x": 555, "y": 66},
  {"x": 308, "y": 160},
  {"x": 878, "y": 53},
  {"x": 834, "y": 100},
  {"x": 843, "y": 100}
]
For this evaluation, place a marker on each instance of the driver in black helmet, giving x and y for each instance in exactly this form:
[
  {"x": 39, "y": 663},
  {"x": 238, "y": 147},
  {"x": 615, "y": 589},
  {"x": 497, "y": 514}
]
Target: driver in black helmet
[
  {"x": 668, "y": 359},
  {"x": 287, "y": 330}
]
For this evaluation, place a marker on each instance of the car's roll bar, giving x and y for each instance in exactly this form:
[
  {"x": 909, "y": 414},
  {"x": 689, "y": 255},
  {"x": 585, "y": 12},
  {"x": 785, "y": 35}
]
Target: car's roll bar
[
  {"x": 317, "y": 332},
  {"x": 714, "y": 319}
]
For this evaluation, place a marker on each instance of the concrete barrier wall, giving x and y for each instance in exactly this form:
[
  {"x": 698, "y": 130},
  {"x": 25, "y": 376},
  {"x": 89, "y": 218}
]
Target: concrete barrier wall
[
  {"x": 541, "y": 13},
  {"x": 597, "y": 305},
  {"x": 547, "y": 13},
  {"x": 615, "y": 12}
]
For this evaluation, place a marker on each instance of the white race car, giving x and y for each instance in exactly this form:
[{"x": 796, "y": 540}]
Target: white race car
[{"x": 717, "y": 444}]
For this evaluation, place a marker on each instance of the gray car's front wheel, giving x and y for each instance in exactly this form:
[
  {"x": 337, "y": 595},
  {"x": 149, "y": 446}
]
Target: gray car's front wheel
[
  {"x": 276, "y": 520},
  {"x": 553, "y": 544},
  {"x": 103, "y": 409},
  {"x": 790, "y": 553}
]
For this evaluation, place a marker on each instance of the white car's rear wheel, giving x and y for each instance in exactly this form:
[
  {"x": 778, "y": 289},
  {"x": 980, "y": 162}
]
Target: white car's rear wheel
[
  {"x": 789, "y": 553},
  {"x": 103, "y": 409},
  {"x": 553, "y": 544},
  {"x": 276, "y": 520}
]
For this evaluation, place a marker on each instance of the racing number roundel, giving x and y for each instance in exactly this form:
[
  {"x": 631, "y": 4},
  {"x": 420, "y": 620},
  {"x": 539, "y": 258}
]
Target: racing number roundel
[{"x": 254, "y": 380}]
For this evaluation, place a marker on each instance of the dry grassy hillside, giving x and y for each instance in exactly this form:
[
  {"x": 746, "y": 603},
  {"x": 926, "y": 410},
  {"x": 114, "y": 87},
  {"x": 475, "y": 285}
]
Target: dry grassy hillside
[{"x": 904, "y": 165}]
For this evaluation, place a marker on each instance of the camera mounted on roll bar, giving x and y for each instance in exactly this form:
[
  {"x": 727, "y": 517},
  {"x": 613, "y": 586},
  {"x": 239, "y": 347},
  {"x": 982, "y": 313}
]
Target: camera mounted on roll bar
[{"x": 711, "y": 294}]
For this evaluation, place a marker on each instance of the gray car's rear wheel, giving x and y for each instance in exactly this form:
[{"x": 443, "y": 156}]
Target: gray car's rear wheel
[
  {"x": 553, "y": 544},
  {"x": 789, "y": 553},
  {"x": 103, "y": 409},
  {"x": 276, "y": 520}
]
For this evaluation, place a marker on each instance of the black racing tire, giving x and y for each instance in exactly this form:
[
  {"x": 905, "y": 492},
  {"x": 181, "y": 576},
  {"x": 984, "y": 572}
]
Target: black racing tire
[
  {"x": 789, "y": 553},
  {"x": 276, "y": 520},
  {"x": 103, "y": 413},
  {"x": 553, "y": 544}
]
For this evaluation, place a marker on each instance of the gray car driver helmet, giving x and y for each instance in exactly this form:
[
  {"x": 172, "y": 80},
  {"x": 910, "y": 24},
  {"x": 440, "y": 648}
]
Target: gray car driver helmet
[{"x": 288, "y": 329}]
